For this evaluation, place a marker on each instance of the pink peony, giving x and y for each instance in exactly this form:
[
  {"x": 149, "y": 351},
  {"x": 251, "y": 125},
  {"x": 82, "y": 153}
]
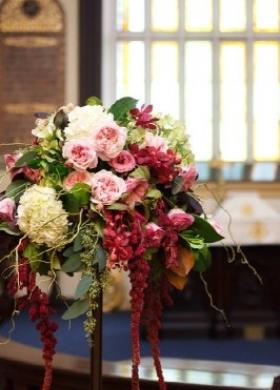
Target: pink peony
[
  {"x": 109, "y": 141},
  {"x": 31, "y": 174},
  {"x": 107, "y": 188},
  {"x": 153, "y": 235},
  {"x": 189, "y": 175},
  {"x": 7, "y": 209},
  {"x": 124, "y": 162},
  {"x": 155, "y": 141},
  {"x": 136, "y": 189},
  {"x": 180, "y": 219},
  {"x": 76, "y": 177},
  {"x": 80, "y": 154}
]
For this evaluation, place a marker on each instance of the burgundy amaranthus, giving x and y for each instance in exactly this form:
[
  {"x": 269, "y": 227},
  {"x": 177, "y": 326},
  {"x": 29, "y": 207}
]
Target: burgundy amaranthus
[{"x": 39, "y": 310}]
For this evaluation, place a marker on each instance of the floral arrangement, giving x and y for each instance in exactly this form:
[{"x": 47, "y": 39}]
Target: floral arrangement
[{"x": 97, "y": 190}]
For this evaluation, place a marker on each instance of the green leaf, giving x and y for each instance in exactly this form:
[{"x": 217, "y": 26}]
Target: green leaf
[
  {"x": 68, "y": 252},
  {"x": 55, "y": 262},
  {"x": 5, "y": 227},
  {"x": 83, "y": 286},
  {"x": 192, "y": 239},
  {"x": 70, "y": 203},
  {"x": 81, "y": 191},
  {"x": 78, "y": 243},
  {"x": 31, "y": 252},
  {"x": 76, "y": 309},
  {"x": 16, "y": 189},
  {"x": 206, "y": 230},
  {"x": 177, "y": 185},
  {"x": 203, "y": 259},
  {"x": 117, "y": 206},
  {"x": 101, "y": 257},
  {"x": 122, "y": 107},
  {"x": 73, "y": 263},
  {"x": 27, "y": 158},
  {"x": 153, "y": 193},
  {"x": 94, "y": 101},
  {"x": 141, "y": 173}
]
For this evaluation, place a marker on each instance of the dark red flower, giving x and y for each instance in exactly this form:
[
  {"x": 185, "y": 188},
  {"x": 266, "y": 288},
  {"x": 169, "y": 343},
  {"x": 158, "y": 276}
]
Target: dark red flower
[{"x": 144, "y": 117}]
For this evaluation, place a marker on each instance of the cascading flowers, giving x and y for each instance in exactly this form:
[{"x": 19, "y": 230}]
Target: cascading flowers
[{"x": 102, "y": 189}]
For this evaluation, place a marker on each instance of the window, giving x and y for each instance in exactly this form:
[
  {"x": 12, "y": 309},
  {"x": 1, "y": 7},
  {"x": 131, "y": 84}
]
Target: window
[{"x": 212, "y": 63}]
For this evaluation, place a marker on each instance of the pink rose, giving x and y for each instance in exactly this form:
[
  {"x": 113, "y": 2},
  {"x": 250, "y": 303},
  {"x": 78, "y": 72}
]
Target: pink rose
[
  {"x": 153, "y": 235},
  {"x": 7, "y": 210},
  {"x": 76, "y": 177},
  {"x": 124, "y": 162},
  {"x": 136, "y": 189},
  {"x": 155, "y": 141},
  {"x": 106, "y": 188},
  {"x": 80, "y": 154},
  {"x": 31, "y": 174},
  {"x": 109, "y": 141},
  {"x": 180, "y": 219},
  {"x": 189, "y": 175}
]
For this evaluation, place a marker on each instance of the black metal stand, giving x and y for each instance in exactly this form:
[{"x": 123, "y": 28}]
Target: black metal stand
[{"x": 96, "y": 350}]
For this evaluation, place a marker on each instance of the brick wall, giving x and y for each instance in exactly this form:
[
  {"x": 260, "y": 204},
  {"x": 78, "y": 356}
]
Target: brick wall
[{"x": 32, "y": 65}]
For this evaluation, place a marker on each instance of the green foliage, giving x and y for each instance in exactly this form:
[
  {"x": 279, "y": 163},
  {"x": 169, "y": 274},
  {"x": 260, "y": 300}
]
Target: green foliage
[
  {"x": 141, "y": 173},
  {"x": 27, "y": 158},
  {"x": 94, "y": 101},
  {"x": 76, "y": 198},
  {"x": 153, "y": 193},
  {"x": 192, "y": 240},
  {"x": 78, "y": 243},
  {"x": 16, "y": 189},
  {"x": 203, "y": 259},
  {"x": 73, "y": 263},
  {"x": 31, "y": 252},
  {"x": 101, "y": 258},
  {"x": 121, "y": 108},
  {"x": 83, "y": 286},
  {"x": 206, "y": 230},
  {"x": 177, "y": 185},
  {"x": 117, "y": 206},
  {"x": 76, "y": 309}
]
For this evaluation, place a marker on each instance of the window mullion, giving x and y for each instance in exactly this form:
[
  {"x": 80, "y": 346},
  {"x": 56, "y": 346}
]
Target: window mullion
[
  {"x": 182, "y": 60},
  {"x": 250, "y": 81},
  {"x": 216, "y": 82},
  {"x": 148, "y": 56}
]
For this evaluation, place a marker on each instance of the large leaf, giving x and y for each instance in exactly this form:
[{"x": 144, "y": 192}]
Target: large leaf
[
  {"x": 122, "y": 107},
  {"x": 73, "y": 263},
  {"x": 83, "y": 286},
  {"x": 193, "y": 240},
  {"x": 203, "y": 259},
  {"x": 76, "y": 309},
  {"x": 5, "y": 227},
  {"x": 16, "y": 189},
  {"x": 206, "y": 230},
  {"x": 76, "y": 198},
  {"x": 78, "y": 243},
  {"x": 27, "y": 158}
]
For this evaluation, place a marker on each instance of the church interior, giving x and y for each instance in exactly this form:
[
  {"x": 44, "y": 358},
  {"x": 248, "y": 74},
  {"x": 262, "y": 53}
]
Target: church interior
[{"x": 215, "y": 65}]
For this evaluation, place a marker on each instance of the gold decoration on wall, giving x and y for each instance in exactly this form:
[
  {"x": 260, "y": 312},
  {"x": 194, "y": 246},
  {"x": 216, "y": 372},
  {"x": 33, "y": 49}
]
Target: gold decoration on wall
[
  {"x": 27, "y": 108},
  {"x": 48, "y": 19},
  {"x": 30, "y": 42},
  {"x": 258, "y": 230}
]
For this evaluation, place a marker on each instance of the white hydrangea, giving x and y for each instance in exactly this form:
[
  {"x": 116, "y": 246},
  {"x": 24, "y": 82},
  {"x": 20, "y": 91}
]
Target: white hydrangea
[
  {"x": 41, "y": 216},
  {"x": 84, "y": 120},
  {"x": 44, "y": 128}
]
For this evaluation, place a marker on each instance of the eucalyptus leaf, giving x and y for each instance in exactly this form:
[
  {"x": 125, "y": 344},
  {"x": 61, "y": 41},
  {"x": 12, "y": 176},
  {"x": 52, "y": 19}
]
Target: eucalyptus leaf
[
  {"x": 73, "y": 263},
  {"x": 117, "y": 206},
  {"x": 83, "y": 286},
  {"x": 101, "y": 257},
  {"x": 76, "y": 309},
  {"x": 78, "y": 243},
  {"x": 68, "y": 252}
]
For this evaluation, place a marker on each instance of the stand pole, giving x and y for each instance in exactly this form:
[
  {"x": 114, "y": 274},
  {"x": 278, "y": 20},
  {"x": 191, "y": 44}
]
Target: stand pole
[{"x": 96, "y": 350}]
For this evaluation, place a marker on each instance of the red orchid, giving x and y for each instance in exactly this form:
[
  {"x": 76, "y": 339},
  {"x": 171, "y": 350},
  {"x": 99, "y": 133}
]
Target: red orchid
[{"x": 144, "y": 117}]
